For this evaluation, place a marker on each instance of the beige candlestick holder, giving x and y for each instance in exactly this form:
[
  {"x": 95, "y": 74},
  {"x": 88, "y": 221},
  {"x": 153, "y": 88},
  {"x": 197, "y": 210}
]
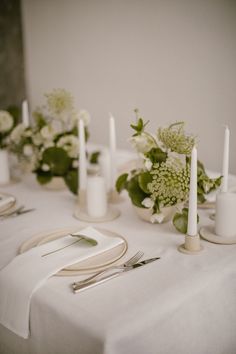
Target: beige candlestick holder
[{"x": 192, "y": 245}]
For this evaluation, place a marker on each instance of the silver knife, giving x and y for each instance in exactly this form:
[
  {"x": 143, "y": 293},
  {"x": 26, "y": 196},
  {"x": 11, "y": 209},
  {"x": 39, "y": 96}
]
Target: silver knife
[{"x": 93, "y": 283}]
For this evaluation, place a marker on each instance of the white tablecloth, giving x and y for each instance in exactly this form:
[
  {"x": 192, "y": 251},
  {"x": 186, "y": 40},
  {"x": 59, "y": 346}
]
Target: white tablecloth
[{"x": 180, "y": 304}]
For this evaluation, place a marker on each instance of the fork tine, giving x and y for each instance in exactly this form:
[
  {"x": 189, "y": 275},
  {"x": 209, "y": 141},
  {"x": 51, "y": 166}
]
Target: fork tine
[{"x": 135, "y": 258}]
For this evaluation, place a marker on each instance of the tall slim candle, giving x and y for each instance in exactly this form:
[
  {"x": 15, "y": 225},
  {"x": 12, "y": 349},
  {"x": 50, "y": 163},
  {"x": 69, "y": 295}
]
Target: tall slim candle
[
  {"x": 82, "y": 157},
  {"x": 112, "y": 141},
  {"x": 25, "y": 113},
  {"x": 192, "y": 211},
  {"x": 225, "y": 165}
]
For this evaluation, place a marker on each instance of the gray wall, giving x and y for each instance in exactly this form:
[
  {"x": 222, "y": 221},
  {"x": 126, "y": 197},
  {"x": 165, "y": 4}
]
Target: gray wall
[
  {"x": 174, "y": 59},
  {"x": 12, "y": 86}
]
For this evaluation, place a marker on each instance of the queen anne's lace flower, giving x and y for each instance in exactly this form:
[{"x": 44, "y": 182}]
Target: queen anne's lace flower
[
  {"x": 6, "y": 121},
  {"x": 175, "y": 139},
  {"x": 170, "y": 183}
]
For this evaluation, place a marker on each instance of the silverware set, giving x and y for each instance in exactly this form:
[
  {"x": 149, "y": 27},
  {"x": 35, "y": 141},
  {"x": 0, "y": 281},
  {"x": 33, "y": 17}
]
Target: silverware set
[
  {"x": 16, "y": 212},
  {"x": 95, "y": 279}
]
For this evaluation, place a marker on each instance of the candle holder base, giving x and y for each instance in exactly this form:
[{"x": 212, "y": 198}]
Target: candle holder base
[
  {"x": 191, "y": 246},
  {"x": 114, "y": 197},
  {"x": 81, "y": 214}
]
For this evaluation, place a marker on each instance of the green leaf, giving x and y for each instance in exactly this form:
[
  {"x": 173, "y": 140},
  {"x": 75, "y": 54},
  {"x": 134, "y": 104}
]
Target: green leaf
[
  {"x": 156, "y": 155},
  {"x": 58, "y": 160},
  {"x": 139, "y": 127},
  {"x": 143, "y": 179},
  {"x": 180, "y": 221},
  {"x": 94, "y": 157},
  {"x": 71, "y": 180},
  {"x": 121, "y": 182},
  {"x": 39, "y": 118},
  {"x": 43, "y": 177},
  {"x": 136, "y": 194}
]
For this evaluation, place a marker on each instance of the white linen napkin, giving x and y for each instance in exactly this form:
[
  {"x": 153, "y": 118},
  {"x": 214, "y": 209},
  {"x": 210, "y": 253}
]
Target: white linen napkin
[
  {"x": 5, "y": 201},
  {"x": 30, "y": 270}
]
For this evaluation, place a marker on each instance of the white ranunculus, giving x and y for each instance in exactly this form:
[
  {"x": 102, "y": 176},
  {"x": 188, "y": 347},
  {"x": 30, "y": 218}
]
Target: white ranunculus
[
  {"x": 157, "y": 218},
  {"x": 148, "y": 164},
  {"x": 37, "y": 139},
  {"x": 6, "y": 121},
  {"x": 70, "y": 143},
  {"x": 142, "y": 143},
  {"x": 148, "y": 203},
  {"x": 28, "y": 150},
  {"x": 17, "y": 133},
  {"x": 85, "y": 116},
  {"x": 45, "y": 167},
  {"x": 48, "y": 132},
  {"x": 75, "y": 164}
]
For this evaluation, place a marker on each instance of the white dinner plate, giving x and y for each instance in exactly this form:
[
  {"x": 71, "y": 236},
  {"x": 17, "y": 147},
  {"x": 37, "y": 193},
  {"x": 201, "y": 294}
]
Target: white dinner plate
[
  {"x": 96, "y": 263},
  {"x": 9, "y": 206}
]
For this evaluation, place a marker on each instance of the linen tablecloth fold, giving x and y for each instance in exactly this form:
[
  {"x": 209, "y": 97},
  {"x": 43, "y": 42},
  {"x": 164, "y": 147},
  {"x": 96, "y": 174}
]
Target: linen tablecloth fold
[{"x": 30, "y": 270}]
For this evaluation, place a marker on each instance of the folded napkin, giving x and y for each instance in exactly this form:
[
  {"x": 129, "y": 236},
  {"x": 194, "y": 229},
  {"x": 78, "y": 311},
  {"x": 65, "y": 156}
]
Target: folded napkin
[
  {"x": 5, "y": 201},
  {"x": 30, "y": 270}
]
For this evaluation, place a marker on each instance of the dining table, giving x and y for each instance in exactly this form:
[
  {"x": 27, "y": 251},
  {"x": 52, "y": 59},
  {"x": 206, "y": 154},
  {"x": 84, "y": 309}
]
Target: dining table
[{"x": 181, "y": 303}]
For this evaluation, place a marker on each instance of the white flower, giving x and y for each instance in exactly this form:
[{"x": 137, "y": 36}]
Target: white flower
[
  {"x": 48, "y": 144},
  {"x": 17, "y": 133},
  {"x": 157, "y": 218},
  {"x": 48, "y": 132},
  {"x": 70, "y": 143},
  {"x": 84, "y": 116},
  {"x": 75, "y": 164},
  {"x": 57, "y": 126},
  {"x": 45, "y": 167},
  {"x": 148, "y": 164},
  {"x": 59, "y": 101},
  {"x": 28, "y": 150},
  {"x": 148, "y": 203},
  {"x": 6, "y": 121},
  {"x": 37, "y": 139},
  {"x": 142, "y": 143}
]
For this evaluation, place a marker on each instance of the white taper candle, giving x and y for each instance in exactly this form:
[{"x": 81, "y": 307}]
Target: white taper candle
[
  {"x": 25, "y": 113},
  {"x": 112, "y": 143},
  {"x": 192, "y": 211},
  {"x": 82, "y": 157},
  {"x": 225, "y": 165}
]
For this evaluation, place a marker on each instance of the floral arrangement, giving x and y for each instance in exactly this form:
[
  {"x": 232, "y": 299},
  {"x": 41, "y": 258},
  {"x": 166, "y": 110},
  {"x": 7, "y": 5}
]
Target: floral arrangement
[
  {"x": 50, "y": 147},
  {"x": 162, "y": 180},
  {"x": 8, "y": 120}
]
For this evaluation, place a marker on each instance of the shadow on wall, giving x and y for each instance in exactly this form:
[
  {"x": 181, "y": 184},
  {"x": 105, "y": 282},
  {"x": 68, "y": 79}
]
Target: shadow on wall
[{"x": 12, "y": 82}]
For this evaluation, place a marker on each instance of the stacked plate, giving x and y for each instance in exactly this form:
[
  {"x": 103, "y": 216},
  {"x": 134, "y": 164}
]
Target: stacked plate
[{"x": 7, "y": 203}]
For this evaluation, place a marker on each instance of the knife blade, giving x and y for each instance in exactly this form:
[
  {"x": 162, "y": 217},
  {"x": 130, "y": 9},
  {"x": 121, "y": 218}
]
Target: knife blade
[{"x": 102, "y": 280}]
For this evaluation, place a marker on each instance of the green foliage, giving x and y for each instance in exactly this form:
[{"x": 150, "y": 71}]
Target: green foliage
[
  {"x": 156, "y": 155},
  {"x": 144, "y": 179},
  {"x": 139, "y": 127},
  {"x": 43, "y": 177},
  {"x": 15, "y": 112},
  {"x": 71, "y": 180},
  {"x": 94, "y": 157},
  {"x": 40, "y": 120},
  {"x": 57, "y": 159},
  {"x": 180, "y": 221},
  {"x": 136, "y": 194},
  {"x": 121, "y": 182}
]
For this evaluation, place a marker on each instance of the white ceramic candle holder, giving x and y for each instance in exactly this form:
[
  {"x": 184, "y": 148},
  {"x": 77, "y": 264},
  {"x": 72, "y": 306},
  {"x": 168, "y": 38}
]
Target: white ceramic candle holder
[
  {"x": 82, "y": 198},
  {"x": 4, "y": 168},
  {"x": 191, "y": 246}
]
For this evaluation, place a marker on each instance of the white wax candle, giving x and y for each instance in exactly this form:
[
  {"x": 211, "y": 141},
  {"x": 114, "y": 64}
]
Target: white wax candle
[
  {"x": 25, "y": 113},
  {"x": 105, "y": 168},
  {"x": 192, "y": 211},
  {"x": 112, "y": 140},
  {"x": 4, "y": 167},
  {"x": 82, "y": 157},
  {"x": 225, "y": 220},
  {"x": 96, "y": 197},
  {"x": 225, "y": 165}
]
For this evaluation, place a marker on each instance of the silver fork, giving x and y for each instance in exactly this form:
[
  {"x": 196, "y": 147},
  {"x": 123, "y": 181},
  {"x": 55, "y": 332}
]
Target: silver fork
[{"x": 128, "y": 263}]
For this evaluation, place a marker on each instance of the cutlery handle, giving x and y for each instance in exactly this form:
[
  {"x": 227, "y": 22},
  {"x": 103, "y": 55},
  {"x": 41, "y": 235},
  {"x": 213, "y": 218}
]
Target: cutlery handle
[{"x": 93, "y": 283}]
